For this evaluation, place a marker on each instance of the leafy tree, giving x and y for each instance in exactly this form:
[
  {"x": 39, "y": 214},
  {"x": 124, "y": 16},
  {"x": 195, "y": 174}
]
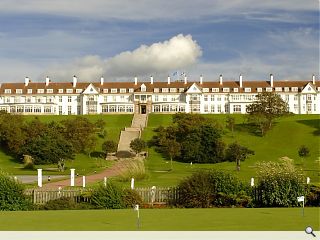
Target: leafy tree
[
  {"x": 266, "y": 109},
  {"x": 137, "y": 145},
  {"x": 303, "y": 151},
  {"x": 230, "y": 122},
  {"x": 109, "y": 147},
  {"x": 172, "y": 148},
  {"x": 236, "y": 152}
]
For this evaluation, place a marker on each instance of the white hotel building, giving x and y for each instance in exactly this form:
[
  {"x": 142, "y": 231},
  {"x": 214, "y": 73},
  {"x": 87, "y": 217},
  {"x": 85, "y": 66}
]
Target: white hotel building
[{"x": 219, "y": 96}]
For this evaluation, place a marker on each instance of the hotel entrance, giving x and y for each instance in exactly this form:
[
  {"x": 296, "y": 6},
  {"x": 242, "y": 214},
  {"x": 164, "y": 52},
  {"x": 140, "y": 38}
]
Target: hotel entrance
[{"x": 143, "y": 109}]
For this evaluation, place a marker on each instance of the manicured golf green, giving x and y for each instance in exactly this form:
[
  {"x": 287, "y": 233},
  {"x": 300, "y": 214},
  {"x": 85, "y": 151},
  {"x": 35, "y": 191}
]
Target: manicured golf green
[{"x": 237, "y": 219}]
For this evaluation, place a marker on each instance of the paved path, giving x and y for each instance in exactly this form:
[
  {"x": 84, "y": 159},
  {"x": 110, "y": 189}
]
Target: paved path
[
  {"x": 139, "y": 121},
  {"x": 110, "y": 172}
]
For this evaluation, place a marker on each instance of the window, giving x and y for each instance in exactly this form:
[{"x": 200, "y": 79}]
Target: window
[
  {"x": 20, "y": 109},
  {"x": 60, "y": 110},
  {"x": 278, "y": 89},
  {"x": 205, "y": 98},
  {"x": 29, "y": 91},
  {"x": 7, "y": 91},
  {"x": 105, "y": 90},
  {"x": 28, "y": 109},
  {"x": 268, "y": 89},
  {"x": 19, "y": 91},
  {"x": 215, "y": 89},
  {"x": 164, "y": 89},
  {"x": 259, "y": 89},
  {"x": 286, "y": 89},
  {"x": 247, "y": 90},
  {"x": 47, "y": 109},
  {"x": 294, "y": 89},
  {"x": 49, "y": 90},
  {"x": 39, "y": 99},
  {"x": 156, "y": 108},
  {"x": 143, "y": 88},
  {"x": 113, "y": 90},
  {"x": 235, "y": 97},
  {"x": 295, "y": 97},
  {"x": 212, "y": 108},
  {"x": 37, "y": 109},
  {"x": 78, "y": 90},
  {"x": 156, "y": 90},
  {"x": 164, "y": 98},
  {"x": 69, "y": 99},
  {"x": 131, "y": 90},
  {"x": 69, "y": 91},
  {"x": 235, "y": 89},
  {"x": 173, "y": 90},
  {"x": 122, "y": 98},
  {"x": 60, "y": 91},
  {"x": 296, "y": 107},
  {"x": 114, "y": 98},
  {"x": 225, "y": 89},
  {"x": 69, "y": 110},
  {"x": 212, "y": 98},
  {"x": 181, "y": 89},
  {"x": 218, "y": 98},
  {"x": 237, "y": 108},
  {"x": 309, "y": 97},
  {"x": 206, "y": 109},
  {"x": 40, "y": 91},
  {"x": 205, "y": 89},
  {"x": 123, "y": 90},
  {"x": 219, "y": 108},
  {"x": 78, "y": 99},
  {"x": 156, "y": 98}
]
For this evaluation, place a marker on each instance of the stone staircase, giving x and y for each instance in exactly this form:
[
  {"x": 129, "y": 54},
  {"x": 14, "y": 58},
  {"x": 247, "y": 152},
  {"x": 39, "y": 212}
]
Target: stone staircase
[{"x": 139, "y": 122}]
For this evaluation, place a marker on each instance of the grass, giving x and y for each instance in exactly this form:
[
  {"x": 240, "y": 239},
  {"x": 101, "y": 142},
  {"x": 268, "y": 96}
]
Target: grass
[
  {"x": 235, "y": 219},
  {"x": 84, "y": 164},
  {"x": 287, "y": 135}
]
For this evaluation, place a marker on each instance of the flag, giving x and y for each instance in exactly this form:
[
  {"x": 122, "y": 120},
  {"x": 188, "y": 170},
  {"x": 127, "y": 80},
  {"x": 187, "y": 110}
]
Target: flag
[
  {"x": 136, "y": 207},
  {"x": 300, "y": 199}
]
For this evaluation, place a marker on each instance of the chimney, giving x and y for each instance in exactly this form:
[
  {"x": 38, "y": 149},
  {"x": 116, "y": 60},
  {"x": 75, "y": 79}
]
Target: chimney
[
  {"x": 47, "y": 81},
  {"x": 101, "y": 80},
  {"x": 220, "y": 79},
  {"x": 240, "y": 80},
  {"x": 185, "y": 79},
  {"x": 135, "y": 80},
  {"x": 201, "y": 79},
  {"x": 26, "y": 81},
  {"x": 169, "y": 79},
  {"x": 271, "y": 80},
  {"x": 313, "y": 79},
  {"x": 151, "y": 79},
  {"x": 74, "y": 80}
]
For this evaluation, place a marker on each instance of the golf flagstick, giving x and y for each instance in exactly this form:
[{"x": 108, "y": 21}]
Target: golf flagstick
[{"x": 136, "y": 208}]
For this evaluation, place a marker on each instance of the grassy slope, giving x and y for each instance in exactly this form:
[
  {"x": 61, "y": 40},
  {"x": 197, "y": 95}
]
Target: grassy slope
[
  {"x": 283, "y": 140},
  {"x": 267, "y": 219},
  {"x": 83, "y": 163}
]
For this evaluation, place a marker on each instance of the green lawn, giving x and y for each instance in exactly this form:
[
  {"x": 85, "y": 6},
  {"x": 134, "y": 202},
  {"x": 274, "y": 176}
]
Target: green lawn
[
  {"x": 236, "y": 219},
  {"x": 83, "y": 163},
  {"x": 282, "y": 141}
]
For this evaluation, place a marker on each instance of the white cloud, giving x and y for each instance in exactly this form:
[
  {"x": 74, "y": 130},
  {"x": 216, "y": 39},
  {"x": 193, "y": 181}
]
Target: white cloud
[{"x": 159, "y": 58}]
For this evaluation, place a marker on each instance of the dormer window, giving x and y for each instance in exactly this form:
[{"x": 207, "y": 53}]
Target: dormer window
[
  {"x": 286, "y": 89},
  {"x": 19, "y": 91},
  {"x": 123, "y": 90},
  {"x": 294, "y": 89},
  {"x": 205, "y": 90},
  {"x": 259, "y": 89},
  {"x": 236, "y": 90},
  {"x": 40, "y": 91},
  {"x": 226, "y": 90},
  {"x": 49, "y": 90},
  {"x": 70, "y": 90},
  {"x": 215, "y": 89},
  {"x": 113, "y": 90},
  {"x": 60, "y": 91},
  {"x": 268, "y": 89},
  {"x": 7, "y": 91},
  {"x": 173, "y": 90},
  {"x": 105, "y": 90},
  {"x": 164, "y": 89},
  {"x": 247, "y": 90},
  {"x": 278, "y": 89},
  {"x": 156, "y": 90},
  {"x": 78, "y": 90},
  {"x": 143, "y": 88},
  {"x": 181, "y": 89},
  {"x": 131, "y": 90}
]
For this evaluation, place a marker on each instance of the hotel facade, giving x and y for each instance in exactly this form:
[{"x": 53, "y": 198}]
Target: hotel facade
[{"x": 205, "y": 97}]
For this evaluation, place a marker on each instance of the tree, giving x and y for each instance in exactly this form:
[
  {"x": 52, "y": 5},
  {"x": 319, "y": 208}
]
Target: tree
[
  {"x": 237, "y": 153},
  {"x": 303, "y": 151},
  {"x": 172, "y": 148},
  {"x": 266, "y": 109},
  {"x": 109, "y": 147},
  {"x": 137, "y": 145},
  {"x": 230, "y": 122}
]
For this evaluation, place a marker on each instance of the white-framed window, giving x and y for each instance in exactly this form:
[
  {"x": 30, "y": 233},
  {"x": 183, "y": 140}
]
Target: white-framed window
[
  {"x": 40, "y": 90},
  {"x": 143, "y": 88},
  {"x": 50, "y": 90},
  {"x": 295, "y": 97},
  {"x": 105, "y": 90},
  {"x": 173, "y": 90},
  {"x": 237, "y": 108},
  {"x": 205, "y": 90},
  {"x": 165, "y": 90},
  {"x": 69, "y": 99},
  {"x": 247, "y": 90},
  {"x": 113, "y": 90},
  {"x": 235, "y": 90},
  {"x": 278, "y": 89},
  {"x": 269, "y": 89},
  {"x": 259, "y": 89},
  {"x": 69, "y": 90},
  {"x": 37, "y": 109},
  {"x": 206, "y": 108},
  {"x": 212, "y": 108},
  {"x": 121, "y": 98},
  {"x": 131, "y": 90},
  {"x": 156, "y": 90},
  {"x": 212, "y": 98},
  {"x": 60, "y": 90},
  {"x": 123, "y": 90},
  {"x": 235, "y": 97},
  {"x": 69, "y": 110},
  {"x": 78, "y": 90},
  {"x": 156, "y": 98},
  {"x": 29, "y": 91},
  {"x": 28, "y": 109},
  {"x": 19, "y": 91},
  {"x": 225, "y": 89},
  {"x": 205, "y": 97},
  {"x": 294, "y": 89},
  {"x": 114, "y": 98},
  {"x": 181, "y": 89},
  {"x": 215, "y": 89},
  {"x": 219, "y": 108},
  {"x": 164, "y": 98},
  {"x": 8, "y": 91},
  {"x": 286, "y": 89},
  {"x": 219, "y": 98}
]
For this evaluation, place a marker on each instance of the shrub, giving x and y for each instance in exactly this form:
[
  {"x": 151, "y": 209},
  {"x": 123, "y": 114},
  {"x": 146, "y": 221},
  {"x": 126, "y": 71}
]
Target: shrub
[
  {"x": 124, "y": 154},
  {"x": 65, "y": 203},
  {"x": 131, "y": 198},
  {"x": 133, "y": 169},
  {"x": 209, "y": 188},
  {"x": 279, "y": 184},
  {"x": 11, "y": 195},
  {"x": 313, "y": 196},
  {"x": 110, "y": 196}
]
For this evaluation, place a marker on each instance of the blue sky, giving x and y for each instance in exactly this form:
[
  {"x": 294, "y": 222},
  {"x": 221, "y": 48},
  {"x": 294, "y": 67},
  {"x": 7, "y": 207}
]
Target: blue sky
[{"x": 120, "y": 39}]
